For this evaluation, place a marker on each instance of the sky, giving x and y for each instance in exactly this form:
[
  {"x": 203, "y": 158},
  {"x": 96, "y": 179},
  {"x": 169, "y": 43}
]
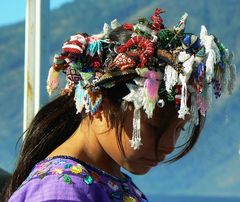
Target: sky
[{"x": 13, "y": 11}]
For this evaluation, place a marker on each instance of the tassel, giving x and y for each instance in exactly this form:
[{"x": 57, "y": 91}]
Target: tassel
[
  {"x": 216, "y": 51},
  {"x": 183, "y": 56},
  {"x": 136, "y": 136},
  {"x": 182, "y": 23},
  {"x": 183, "y": 107},
  {"x": 106, "y": 29},
  {"x": 151, "y": 86},
  {"x": 203, "y": 32},
  {"x": 52, "y": 80},
  {"x": 103, "y": 34},
  {"x": 206, "y": 40},
  {"x": 135, "y": 96},
  {"x": 183, "y": 80},
  {"x": 212, "y": 51},
  {"x": 93, "y": 101},
  {"x": 211, "y": 59},
  {"x": 80, "y": 97},
  {"x": 188, "y": 67},
  {"x": 170, "y": 78},
  {"x": 115, "y": 24}
]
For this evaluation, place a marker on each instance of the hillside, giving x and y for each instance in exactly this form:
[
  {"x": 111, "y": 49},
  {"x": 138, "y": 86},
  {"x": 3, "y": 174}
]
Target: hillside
[{"x": 212, "y": 167}]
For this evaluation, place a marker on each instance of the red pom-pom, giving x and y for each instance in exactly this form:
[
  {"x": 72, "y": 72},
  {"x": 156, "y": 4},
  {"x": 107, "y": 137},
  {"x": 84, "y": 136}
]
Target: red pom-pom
[{"x": 128, "y": 26}]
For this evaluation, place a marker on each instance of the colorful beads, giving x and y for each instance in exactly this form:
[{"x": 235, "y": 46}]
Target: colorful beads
[
  {"x": 68, "y": 166},
  {"x": 76, "y": 169},
  {"x": 88, "y": 179},
  {"x": 124, "y": 61},
  {"x": 67, "y": 179}
]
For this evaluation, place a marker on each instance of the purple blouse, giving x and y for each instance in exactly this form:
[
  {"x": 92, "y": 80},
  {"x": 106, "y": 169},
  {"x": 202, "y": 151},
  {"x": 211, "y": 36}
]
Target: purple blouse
[{"x": 64, "y": 178}]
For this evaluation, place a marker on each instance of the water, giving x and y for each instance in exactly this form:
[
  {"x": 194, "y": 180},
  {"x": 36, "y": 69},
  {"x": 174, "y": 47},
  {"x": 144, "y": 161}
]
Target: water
[{"x": 160, "y": 198}]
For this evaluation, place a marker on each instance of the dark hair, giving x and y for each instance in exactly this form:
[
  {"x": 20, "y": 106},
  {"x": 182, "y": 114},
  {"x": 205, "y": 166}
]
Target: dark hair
[
  {"x": 51, "y": 126},
  {"x": 57, "y": 121}
]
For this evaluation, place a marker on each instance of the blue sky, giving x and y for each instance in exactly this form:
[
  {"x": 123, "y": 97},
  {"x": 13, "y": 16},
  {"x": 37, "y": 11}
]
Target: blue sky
[{"x": 14, "y": 10}]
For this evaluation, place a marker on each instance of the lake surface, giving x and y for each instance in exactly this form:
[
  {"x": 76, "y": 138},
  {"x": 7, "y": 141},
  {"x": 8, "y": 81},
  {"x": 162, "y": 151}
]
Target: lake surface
[{"x": 160, "y": 198}]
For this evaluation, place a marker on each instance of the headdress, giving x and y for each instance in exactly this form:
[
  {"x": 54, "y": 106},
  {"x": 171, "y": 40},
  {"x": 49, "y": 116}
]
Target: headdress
[{"x": 165, "y": 64}]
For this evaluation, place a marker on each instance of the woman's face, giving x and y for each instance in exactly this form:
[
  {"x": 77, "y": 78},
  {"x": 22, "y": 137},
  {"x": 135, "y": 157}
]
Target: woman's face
[{"x": 164, "y": 125}]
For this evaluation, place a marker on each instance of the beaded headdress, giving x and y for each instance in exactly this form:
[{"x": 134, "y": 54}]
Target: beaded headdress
[{"x": 164, "y": 65}]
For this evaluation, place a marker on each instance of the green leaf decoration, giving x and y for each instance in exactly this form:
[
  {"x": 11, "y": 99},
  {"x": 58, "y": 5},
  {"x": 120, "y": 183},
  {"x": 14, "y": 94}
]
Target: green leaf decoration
[{"x": 67, "y": 179}]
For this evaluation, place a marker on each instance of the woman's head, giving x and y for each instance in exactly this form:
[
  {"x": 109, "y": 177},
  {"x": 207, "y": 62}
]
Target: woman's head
[
  {"x": 153, "y": 72},
  {"x": 113, "y": 127}
]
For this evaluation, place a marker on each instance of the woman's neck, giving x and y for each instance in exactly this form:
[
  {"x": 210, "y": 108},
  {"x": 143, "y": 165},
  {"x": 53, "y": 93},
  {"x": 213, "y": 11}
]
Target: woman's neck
[{"x": 84, "y": 145}]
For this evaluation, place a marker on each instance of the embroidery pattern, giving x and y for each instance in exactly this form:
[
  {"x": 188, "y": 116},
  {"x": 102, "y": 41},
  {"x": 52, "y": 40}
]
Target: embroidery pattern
[{"x": 64, "y": 169}]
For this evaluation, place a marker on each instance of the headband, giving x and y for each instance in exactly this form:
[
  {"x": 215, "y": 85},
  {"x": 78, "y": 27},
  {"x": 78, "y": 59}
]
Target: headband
[{"x": 164, "y": 65}]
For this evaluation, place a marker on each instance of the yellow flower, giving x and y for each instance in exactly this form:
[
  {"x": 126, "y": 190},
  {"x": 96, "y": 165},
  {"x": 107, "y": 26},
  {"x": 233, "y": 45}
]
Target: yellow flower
[
  {"x": 129, "y": 199},
  {"x": 76, "y": 169}
]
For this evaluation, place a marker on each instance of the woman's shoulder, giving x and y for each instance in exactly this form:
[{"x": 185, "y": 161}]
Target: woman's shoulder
[
  {"x": 67, "y": 178},
  {"x": 62, "y": 168},
  {"x": 58, "y": 178}
]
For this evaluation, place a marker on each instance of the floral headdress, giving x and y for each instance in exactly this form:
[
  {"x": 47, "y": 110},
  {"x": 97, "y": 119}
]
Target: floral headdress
[{"x": 166, "y": 64}]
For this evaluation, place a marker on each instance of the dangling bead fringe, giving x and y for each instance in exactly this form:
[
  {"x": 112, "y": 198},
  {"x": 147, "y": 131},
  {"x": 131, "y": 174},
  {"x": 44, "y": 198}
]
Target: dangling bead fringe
[
  {"x": 170, "y": 78},
  {"x": 80, "y": 100},
  {"x": 183, "y": 80},
  {"x": 212, "y": 50},
  {"x": 216, "y": 51},
  {"x": 183, "y": 107},
  {"x": 93, "y": 101},
  {"x": 136, "y": 136},
  {"x": 183, "y": 56},
  {"x": 52, "y": 80},
  {"x": 211, "y": 59}
]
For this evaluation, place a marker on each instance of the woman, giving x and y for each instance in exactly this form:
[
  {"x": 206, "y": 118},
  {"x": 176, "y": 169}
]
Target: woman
[{"x": 130, "y": 91}]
